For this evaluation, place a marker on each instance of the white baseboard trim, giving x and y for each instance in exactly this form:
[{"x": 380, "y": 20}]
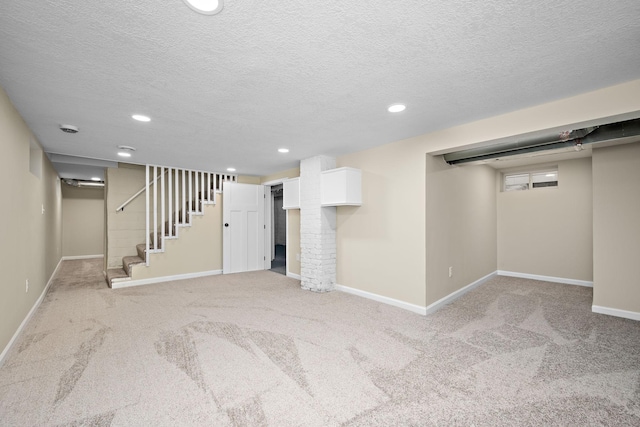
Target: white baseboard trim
[
  {"x": 29, "y": 315},
  {"x": 69, "y": 258},
  {"x": 118, "y": 284},
  {"x": 385, "y": 300},
  {"x": 294, "y": 276},
  {"x": 546, "y": 278},
  {"x": 615, "y": 312},
  {"x": 457, "y": 294}
]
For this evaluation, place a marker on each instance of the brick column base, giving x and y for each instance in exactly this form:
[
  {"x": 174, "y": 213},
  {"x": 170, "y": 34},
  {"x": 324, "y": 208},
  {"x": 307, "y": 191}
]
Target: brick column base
[{"x": 317, "y": 228}]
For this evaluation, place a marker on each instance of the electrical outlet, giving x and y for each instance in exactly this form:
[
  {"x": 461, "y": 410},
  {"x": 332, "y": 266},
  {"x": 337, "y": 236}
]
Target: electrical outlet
[
  {"x": 42, "y": 209},
  {"x": 450, "y": 271},
  {"x": 27, "y": 286}
]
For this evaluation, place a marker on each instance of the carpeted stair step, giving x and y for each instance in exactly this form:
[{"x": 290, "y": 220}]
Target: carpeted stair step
[
  {"x": 116, "y": 274},
  {"x": 128, "y": 261},
  {"x": 151, "y": 241},
  {"x": 166, "y": 229},
  {"x": 143, "y": 245},
  {"x": 193, "y": 205},
  {"x": 141, "y": 249},
  {"x": 166, "y": 234},
  {"x": 186, "y": 218},
  {"x": 203, "y": 197}
]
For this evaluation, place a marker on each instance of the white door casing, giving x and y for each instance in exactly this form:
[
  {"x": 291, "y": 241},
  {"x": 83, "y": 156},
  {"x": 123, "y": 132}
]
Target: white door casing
[
  {"x": 268, "y": 232},
  {"x": 243, "y": 227},
  {"x": 269, "y": 239}
]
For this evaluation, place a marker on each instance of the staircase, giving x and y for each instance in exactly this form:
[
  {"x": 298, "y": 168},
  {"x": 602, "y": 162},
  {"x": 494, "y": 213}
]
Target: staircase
[{"x": 183, "y": 194}]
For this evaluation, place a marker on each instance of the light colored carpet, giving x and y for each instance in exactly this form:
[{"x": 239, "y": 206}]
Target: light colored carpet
[{"x": 253, "y": 349}]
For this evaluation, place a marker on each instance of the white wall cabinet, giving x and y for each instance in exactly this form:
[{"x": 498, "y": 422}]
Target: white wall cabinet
[
  {"x": 291, "y": 194},
  {"x": 341, "y": 187}
]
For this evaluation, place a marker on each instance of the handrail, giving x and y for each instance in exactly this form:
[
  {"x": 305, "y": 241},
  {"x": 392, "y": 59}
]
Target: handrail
[{"x": 142, "y": 190}]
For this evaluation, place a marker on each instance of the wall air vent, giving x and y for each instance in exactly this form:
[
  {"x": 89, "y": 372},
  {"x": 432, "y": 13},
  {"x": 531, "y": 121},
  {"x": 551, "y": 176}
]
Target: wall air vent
[{"x": 576, "y": 138}]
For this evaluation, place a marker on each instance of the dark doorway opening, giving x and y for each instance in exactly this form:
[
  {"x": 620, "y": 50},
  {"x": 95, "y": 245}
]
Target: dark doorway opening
[{"x": 279, "y": 242}]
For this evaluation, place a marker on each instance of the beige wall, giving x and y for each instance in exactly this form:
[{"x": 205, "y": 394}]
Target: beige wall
[
  {"x": 126, "y": 229},
  {"x": 548, "y": 231},
  {"x": 616, "y": 227},
  {"x": 197, "y": 249},
  {"x": 82, "y": 221},
  {"x": 293, "y": 241},
  {"x": 245, "y": 179},
  {"x": 382, "y": 244},
  {"x": 461, "y": 226},
  {"x": 289, "y": 173},
  {"x": 31, "y": 240}
]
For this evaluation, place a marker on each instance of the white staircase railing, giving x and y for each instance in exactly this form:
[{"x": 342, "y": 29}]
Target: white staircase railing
[
  {"x": 184, "y": 195},
  {"x": 132, "y": 198}
]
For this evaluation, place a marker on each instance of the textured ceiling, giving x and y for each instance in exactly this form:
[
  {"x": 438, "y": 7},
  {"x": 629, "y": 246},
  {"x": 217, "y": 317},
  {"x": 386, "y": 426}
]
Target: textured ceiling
[{"x": 316, "y": 77}]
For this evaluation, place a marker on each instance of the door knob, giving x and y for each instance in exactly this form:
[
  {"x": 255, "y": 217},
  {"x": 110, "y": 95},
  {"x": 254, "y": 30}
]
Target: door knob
[{"x": 226, "y": 224}]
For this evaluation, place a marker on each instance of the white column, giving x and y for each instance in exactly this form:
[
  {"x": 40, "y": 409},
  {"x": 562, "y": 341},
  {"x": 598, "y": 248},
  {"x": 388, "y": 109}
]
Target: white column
[{"x": 317, "y": 228}]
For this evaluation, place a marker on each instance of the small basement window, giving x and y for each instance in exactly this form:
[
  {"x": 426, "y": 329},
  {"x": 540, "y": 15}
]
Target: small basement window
[{"x": 527, "y": 180}]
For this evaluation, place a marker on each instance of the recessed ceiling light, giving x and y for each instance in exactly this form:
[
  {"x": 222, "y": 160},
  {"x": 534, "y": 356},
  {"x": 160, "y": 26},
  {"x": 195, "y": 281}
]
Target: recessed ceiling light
[
  {"x": 396, "y": 108},
  {"x": 95, "y": 178},
  {"x": 125, "y": 150},
  {"x": 283, "y": 150},
  {"x": 231, "y": 169},
  {"x": 141, "y": 118},
  {"x": 206, "y": 7}
]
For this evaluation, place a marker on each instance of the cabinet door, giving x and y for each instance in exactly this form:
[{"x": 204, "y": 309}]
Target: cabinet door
[
  {"x": 291, "y": 196},
  {"x": 341, "y": 187}
]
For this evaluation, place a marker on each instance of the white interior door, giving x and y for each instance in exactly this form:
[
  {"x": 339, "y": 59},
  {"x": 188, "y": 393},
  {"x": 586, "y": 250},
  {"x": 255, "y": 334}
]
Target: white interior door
[{"x": 243, "y": 227}]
